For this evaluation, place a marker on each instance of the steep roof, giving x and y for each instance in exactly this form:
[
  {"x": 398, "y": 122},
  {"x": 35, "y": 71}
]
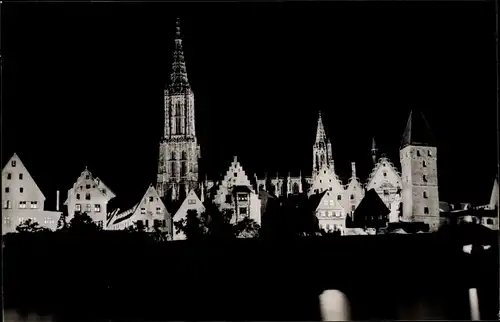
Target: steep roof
[
  {"x": 417, "y": 132},
  {"x": 20, "y": 165},
  {"x": 371, "y": 205}
]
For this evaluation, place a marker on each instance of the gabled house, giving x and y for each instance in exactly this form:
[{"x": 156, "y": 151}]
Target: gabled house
[
  {"x": 235, "y": 192},
  {"x": 386, "y": 181},
  {"x": 89, "y": 195},
  {"x": 329, "y": 210},
  {"x": 191, "y": 202},
  {"x": 148, "y": 212},
  {"x": 372, "y": 212},
  {"x": 22, "y": 199}
]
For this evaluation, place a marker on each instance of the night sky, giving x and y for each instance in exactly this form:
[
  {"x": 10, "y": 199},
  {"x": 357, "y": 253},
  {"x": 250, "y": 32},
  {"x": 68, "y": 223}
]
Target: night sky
[{"x": 83, "y": 86}]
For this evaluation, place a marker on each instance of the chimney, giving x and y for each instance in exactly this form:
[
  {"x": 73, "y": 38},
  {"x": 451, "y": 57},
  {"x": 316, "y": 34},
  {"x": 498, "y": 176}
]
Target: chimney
[{"x": 57, "y": 200}]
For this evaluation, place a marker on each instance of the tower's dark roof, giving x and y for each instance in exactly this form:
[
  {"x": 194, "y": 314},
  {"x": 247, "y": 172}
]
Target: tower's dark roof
[{"x": 417, "y": 131}]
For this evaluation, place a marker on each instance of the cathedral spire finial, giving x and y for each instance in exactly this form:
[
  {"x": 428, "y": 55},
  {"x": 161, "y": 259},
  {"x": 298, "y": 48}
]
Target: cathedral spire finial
[
  {"x": 179, "y": 83},
  {"x": 374, "y": 151},
  {"x": 178, "y": 28},
  {"x": 320, "y": 131}
]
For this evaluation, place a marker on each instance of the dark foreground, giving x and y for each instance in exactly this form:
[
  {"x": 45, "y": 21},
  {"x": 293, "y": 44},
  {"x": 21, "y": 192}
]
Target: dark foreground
[{"x": 120, "y": 276}]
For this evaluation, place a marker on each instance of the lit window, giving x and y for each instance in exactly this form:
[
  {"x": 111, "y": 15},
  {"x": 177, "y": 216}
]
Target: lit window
[
  {"x": 34, "y": 205},
  {"x": 426, "y": 210},
  {"x": 22, "y": 204},
  {"x": 191, "y": 202},
  {"x": 8, "y": 204},
  {"x": 331, "y": 202},
  {"x": 242, "y": 197},
  {"x": 87, "y": 196},
  {"x": 97, "y": 208},
  {"x": 9, "y": 176},
  {"x": 322, "y": 213},
  {"x": 20, "y": 176},
  {"x": 88, "y": 207},
  {"x": 143, "y": 211},
  {"x": 330, "y": 213},
  {"x": 7, "y": 189},
  {"x": 21, "y": 190},
  {"x": 325, "y": 202},
  {"x": 21, "y": 220},
  {"x": 7, "y": 221},
  {"x": 13, "y": 163},
  {"x": 243, "y": 211},
  {"x": 78, "y": 207}
]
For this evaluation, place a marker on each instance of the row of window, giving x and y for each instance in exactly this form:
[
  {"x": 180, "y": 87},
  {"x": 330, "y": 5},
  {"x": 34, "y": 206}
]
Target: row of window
[
  {"x": 7, "y": 189},
  {"x": 158, "y": 211},
  {"x": 330, "y": 213},
  {"x": 21, "y": 204},
  {"x": 156, "y": 222},
  {"x": 241, "y": 197},
  {"x": 88, "y": 208},
  {"x": 87, "y": 196},
  {"x": 328, "y": 227},
  {"x": 9, "y": 176}
]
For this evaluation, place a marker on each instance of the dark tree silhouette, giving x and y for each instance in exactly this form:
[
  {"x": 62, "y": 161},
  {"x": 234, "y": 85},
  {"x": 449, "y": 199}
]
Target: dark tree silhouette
[
  {"x": 62, "y": 223},
  {"x": 30, "y": 226},
  {"x": 216, "y": 224},
  {"x": 82, "y": 223}
]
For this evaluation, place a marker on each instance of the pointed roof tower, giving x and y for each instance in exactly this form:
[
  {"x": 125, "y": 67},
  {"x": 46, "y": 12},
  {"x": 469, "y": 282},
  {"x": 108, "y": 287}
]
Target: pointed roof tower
[
  {"x": 179, "y": 83},
  {"x": 417, "y": 132},
  {"x": 320, "y": 131}
]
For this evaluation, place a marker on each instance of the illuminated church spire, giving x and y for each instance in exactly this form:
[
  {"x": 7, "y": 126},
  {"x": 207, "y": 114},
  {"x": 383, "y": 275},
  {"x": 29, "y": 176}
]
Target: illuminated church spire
[
  {"x": 322, "y": 149},
  {"x": 179, "y": 149}
]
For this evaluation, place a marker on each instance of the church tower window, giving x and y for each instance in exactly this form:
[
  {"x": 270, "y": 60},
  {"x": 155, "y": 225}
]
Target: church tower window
[{"x": 183, "y": 169}]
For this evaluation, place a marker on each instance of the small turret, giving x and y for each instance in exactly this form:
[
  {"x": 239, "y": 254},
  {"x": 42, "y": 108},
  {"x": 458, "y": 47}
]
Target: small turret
[{"x": 374, "y": 151}]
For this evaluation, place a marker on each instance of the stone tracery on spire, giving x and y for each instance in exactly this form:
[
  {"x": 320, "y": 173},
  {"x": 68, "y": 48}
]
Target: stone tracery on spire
[{"x": 179, "y": 83}]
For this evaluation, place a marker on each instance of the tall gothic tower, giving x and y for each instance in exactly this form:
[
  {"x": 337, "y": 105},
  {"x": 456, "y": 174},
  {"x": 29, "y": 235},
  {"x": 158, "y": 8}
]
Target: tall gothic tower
[
  {"x": 418, "y": 156},
  {"x": 179, "y": 149},
  {"x": 322, "y": 149}
]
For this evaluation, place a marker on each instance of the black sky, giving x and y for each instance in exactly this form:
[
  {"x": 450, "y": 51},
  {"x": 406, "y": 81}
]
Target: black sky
[{"x": 83, "y": 85}]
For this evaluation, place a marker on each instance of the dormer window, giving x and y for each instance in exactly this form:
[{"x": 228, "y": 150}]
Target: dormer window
[{"x": 13, "y": 163}]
